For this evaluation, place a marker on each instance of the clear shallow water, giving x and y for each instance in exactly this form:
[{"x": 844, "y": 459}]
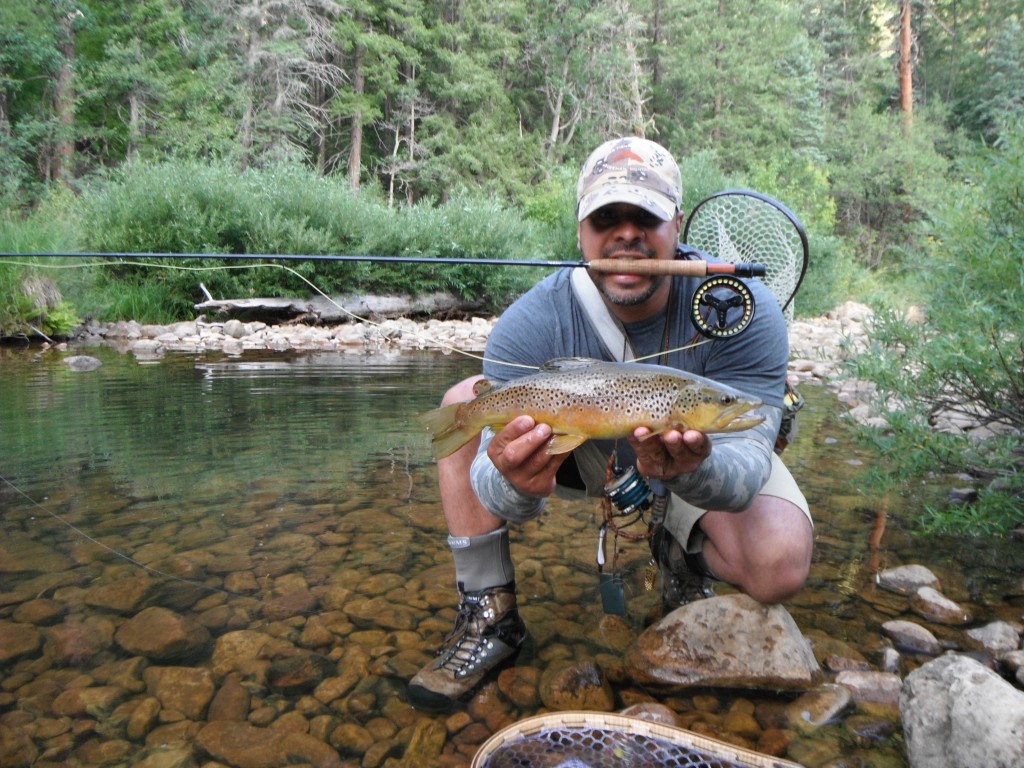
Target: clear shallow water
[{"x": 309, "y": 471}]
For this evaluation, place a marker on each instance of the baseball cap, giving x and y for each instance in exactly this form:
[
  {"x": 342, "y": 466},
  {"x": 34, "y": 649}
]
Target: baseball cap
[{"x": 630, "y": 170}]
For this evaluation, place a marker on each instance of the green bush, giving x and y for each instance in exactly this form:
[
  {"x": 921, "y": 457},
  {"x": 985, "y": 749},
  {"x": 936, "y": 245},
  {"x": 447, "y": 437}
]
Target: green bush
[
  {"x": 190, "y": 207},
  {"x": 967, "y": 358}
]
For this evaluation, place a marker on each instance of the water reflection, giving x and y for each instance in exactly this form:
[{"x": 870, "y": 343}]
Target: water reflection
[{"x": 294, "y": 497}]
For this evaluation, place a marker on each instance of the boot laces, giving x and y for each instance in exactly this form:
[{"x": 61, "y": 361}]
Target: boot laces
[{"x": 461, "y": 649}]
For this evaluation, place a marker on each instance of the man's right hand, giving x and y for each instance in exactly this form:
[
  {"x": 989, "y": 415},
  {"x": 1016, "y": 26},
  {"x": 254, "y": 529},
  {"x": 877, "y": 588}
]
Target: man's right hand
[{"x": 519, "y": 452}]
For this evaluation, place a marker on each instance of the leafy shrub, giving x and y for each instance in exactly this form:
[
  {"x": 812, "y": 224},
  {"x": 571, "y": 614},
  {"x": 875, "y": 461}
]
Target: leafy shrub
[
  {"x": 967, "y": 358},
  {"x": 190, "y": 207}
]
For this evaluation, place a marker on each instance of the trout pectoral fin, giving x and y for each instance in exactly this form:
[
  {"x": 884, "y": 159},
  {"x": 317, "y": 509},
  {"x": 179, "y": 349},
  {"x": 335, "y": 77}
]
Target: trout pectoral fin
[
  {"x": 482, "y": 387},
  {"x": 565, "y": 443}
]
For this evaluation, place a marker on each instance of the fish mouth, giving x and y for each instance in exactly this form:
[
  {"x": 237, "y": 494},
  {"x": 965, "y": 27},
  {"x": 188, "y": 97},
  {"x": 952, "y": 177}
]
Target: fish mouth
[{"x": 728, "y": 419}]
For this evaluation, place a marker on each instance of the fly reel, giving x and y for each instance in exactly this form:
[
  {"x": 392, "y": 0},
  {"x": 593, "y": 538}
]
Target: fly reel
[{"x": 722, "y": 307}]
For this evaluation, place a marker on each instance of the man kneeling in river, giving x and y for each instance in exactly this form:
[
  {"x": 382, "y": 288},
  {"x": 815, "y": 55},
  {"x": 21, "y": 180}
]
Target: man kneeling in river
[{"x": 735, "y": 513}]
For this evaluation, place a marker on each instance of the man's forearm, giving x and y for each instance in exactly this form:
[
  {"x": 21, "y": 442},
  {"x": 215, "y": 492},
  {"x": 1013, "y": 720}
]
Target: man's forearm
[
  {"x": 497, "y": 495},
  {"x": 738, "y": 467}
]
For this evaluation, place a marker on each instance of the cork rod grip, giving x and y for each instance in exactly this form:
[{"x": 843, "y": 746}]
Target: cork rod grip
[{"x": 675, "y": 267}]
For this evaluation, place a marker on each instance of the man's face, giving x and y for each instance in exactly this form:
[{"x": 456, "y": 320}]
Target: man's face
[{"x": 619, "y": 231}]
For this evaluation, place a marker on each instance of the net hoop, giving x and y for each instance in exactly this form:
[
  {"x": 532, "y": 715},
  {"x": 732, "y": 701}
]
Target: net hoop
[
  {"x": 713, "y": 749},
  {"x": 739, "y": 225}
]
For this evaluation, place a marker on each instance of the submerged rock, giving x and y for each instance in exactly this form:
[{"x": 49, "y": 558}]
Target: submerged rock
[
  {"x": 907, "y": 579},
  {"x": 579, "y": 686},
  {"x": 245, "y": 746},
  {"x": 932, "y": 605},
  {"x": 159, "y": 633},
  {"x": 730, "y": 641},
  {"x": 819, "y": 707},
  {"x": 82, "y": 363}
]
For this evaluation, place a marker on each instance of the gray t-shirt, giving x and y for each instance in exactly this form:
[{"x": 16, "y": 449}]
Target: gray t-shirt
[{"x": 548, "y": 322}]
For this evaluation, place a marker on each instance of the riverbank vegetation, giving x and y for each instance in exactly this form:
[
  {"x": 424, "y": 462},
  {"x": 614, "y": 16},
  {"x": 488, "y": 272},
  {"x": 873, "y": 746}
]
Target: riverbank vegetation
[{"x": 421, "y": 128}]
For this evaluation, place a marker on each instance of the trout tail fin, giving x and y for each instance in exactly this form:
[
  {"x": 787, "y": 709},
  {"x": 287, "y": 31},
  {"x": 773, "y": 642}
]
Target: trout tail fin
[{"x": 446, "y": 434}]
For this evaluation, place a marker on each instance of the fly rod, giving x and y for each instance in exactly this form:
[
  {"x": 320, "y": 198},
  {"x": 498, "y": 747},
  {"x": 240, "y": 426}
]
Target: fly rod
[{"x": 687, "y": 267}]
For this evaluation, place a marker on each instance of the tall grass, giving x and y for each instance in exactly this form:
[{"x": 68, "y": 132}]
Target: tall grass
[{"x": 33, "y": 290}]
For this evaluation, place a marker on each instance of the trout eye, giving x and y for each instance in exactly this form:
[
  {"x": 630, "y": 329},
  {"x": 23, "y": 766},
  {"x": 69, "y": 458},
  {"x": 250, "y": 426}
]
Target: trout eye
[{"x": 726, "y": 399}]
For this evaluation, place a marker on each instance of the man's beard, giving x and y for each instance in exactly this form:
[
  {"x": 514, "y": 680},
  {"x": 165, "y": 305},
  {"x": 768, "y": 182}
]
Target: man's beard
[
  {"x": 637, "y": 252},
  {"x": 632, "y": 300}
]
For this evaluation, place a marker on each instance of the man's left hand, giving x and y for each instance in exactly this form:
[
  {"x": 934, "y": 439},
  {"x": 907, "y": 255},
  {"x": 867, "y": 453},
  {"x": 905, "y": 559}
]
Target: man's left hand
[{"x": 671, "y": 454}]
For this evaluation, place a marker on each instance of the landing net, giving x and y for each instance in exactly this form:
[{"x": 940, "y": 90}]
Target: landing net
[
  {"x": 741, "y": 226},
  {"x": 601, "y": 740}
]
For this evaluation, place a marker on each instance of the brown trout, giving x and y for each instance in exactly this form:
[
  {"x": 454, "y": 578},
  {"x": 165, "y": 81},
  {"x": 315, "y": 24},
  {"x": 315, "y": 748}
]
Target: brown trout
[{"x": 580, "y": 399}]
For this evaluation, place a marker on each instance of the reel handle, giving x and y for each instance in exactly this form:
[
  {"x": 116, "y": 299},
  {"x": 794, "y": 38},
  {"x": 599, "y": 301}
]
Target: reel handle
[{"x": 674, "y": 267}]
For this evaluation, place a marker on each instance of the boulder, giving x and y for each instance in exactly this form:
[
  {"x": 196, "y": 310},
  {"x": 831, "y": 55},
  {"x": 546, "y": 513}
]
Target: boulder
[
  {"x": 956, "y": 713},
  {"x": 729, "y": 641}
]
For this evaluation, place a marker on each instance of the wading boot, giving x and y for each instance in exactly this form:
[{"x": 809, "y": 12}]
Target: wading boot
[
  {"x": 680, "y": 584},
  {"x": 488, "y": 632}
]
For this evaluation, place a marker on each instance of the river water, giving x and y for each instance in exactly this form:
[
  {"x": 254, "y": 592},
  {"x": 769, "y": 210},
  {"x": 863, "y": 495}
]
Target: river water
[{"x": 308, "y": 471}]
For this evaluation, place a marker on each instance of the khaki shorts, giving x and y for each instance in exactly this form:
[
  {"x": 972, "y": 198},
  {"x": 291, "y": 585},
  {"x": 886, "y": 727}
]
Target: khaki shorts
[{"x": 681, "y": 517}]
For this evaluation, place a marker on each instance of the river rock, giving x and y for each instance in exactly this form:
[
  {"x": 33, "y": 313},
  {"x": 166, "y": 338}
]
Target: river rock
[
  {"x": 82, "y": 363},
  {"x": 97, "y": 701},
  {"x": 159, "y": 633},
  {"x": 31, "y": 557},
  {"x": 652, "y": 712},
  {"x": 520, "y": 685},
  {"x": 932, "y": 605},
  {"x": 122, "y": 596},
  {"x": 245, "y": 746},
  {"x": 906, "y": 579},
  {"x": 996, "y": 638},
  {"x": 728, "y": 641},
  {"x": 579, "y": 686},
  {"x": 181, "y": 689},
  {"x": 231, "y": 702},
  {"x": 75, "y": 641},
  {"x": 911, "y": 637},
  {"x": 870, "y": 687},
  {"x": 426, "y": 743},
  {"x": 296, "y": 674},
  {"x": 819, "y": 707},
  {"x": 16, "y": 747},
  {"x": 17, "y": 639},
  {"x": 958, "y": 714},
  {"x": 248, "y": 652}
]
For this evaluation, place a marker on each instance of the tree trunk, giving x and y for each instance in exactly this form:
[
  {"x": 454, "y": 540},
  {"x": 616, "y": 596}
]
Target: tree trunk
[
  {"x": 355, "y": 152},
  {"x": 5, "y": 118},
  {"x": 63, "y": 104},
  {"x": 134, "y": 126},
  {"x": 906, "y": 70},
  {"x": 556, "y": 109}
]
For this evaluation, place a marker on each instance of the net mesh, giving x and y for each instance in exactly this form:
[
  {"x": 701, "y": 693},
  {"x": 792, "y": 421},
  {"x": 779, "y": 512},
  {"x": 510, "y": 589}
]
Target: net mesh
[
  {"x": 600, "y": 740},
  {"x": 746, "y": 227}
]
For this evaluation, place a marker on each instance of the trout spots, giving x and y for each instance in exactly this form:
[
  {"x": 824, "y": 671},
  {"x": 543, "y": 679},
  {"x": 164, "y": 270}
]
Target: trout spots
[{"x": 584, "y": 399}]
